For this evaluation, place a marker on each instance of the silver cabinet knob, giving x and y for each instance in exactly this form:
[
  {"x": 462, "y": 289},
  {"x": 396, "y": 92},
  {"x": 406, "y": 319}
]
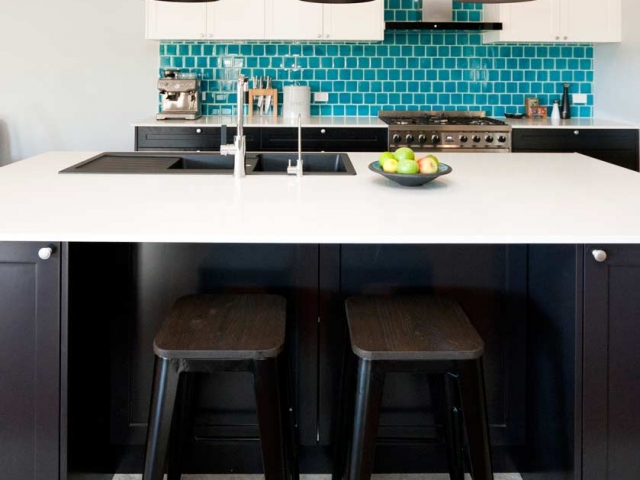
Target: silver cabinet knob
[
  {"x": 319, "y": 35},
  {"x": 599, "y": 255},
  {"x": 323, "y": 131},
  {"x": 576, "y": 132},
  {"x": 198, "y": 130},
  {"x": 326, "y": 36},
  {"x": 202, "y": 35},
  {"x": 557, "y": 38},
  {"x": 566, "y": 38},
  {"x": 45, "y": 253}
]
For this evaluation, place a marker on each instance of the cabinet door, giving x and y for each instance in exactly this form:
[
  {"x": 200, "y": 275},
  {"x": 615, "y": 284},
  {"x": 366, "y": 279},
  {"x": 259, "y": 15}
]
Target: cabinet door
[
  {"x": 611, "y": 419},
  {"x": 537, "y": 21},
  {"x": 293, "y": 20},
  {"x": 358, "y": 21},
  {"x": 176, "y": 20},
  {"x": 591, "y": 20},
  {"x": 29, "y": 362},
  {"x": 236, "y": 20}
]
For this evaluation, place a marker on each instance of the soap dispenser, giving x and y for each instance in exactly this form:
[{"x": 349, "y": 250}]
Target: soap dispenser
[{"x": 565, "y": 108}]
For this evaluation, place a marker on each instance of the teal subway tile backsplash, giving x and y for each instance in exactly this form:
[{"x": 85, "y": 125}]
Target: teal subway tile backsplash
[{"x": 409, "y": 70}]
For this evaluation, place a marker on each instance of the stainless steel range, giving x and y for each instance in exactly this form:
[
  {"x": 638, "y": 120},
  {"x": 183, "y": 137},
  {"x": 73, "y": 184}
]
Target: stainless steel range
[{"x": 446, "y": 131}]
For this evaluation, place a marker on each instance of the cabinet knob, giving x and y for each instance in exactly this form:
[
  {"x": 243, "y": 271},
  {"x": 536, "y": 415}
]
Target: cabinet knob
[
  {"x": 576, "y": 132},
  {"x": 198, "y": 130},
  {"x": 566, "y": 38},
  {"x": 557, "y": 38},
  {"x": 599, "y": 255},
  {"x": 326, "y": 36},
  {"x": 323, "y": 131},
  {"x": 211, "y": 35},
  {"x": 45, "y": 253},
  {"x": 202, "y": 35},
  {"x": 319, "y": 35}
]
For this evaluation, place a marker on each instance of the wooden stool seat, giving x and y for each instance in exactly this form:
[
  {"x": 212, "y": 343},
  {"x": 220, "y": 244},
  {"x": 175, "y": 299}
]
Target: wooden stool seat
[
  {"x": 223, "y": 327},
  {"x": 411, "y": 327}
]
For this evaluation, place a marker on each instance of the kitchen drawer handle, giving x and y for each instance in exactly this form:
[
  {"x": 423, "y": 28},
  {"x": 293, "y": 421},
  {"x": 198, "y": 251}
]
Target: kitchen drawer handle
[
  {"x": 576, "y": 132},
  {"x": 323, "y": 131},
  {"x": 599, "y": 255},
  {"x": 45, "y": 253}
]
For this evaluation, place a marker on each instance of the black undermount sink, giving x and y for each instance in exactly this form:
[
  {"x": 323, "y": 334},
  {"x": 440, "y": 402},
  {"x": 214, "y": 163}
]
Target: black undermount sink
[
  {"x": 211, "y": 163},
  {"x": 313, "y": 163}
]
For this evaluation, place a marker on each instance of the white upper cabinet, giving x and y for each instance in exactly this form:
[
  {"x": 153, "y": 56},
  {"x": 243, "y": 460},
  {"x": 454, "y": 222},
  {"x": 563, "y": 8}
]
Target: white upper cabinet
[
  {"x": 264, "y": 19},
  {"x": 556, "y": 21},
  {"x": 293, "y": 20},
  {"x": 591, "y": 20},
  {"x": 222, "y": 20},
  {"x": 357, "y": 21},
  {"x": 176, "y": 21}
]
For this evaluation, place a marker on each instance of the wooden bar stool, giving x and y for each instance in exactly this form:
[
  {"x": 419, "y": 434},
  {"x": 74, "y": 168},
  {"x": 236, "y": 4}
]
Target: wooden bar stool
[
  {"x": 213, "y": 333},
  {"x": 420, "y": 334}
]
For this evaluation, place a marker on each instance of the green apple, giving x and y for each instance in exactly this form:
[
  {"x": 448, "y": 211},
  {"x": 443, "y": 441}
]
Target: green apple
[
  {"x": 408, "y": 167},
  {"x": 384, "y": 156},
  {"x": 404, "y": 153},
  {"x": 390, "y": 165}
]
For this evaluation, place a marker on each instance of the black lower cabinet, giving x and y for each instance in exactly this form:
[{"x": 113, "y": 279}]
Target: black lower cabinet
[
  {"x": 115, "y": 314},
  {"x": 264, "y": 139},
  {"x": 615, "y": 146},
  {"x": 30, "y": 313},
  {"x": 612, "y": 363}
]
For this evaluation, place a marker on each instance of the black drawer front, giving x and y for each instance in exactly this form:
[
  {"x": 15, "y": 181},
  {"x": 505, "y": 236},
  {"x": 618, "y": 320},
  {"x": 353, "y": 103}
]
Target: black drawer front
[
  {"x": 619, "y": 147},
  {"x": 325, "y": 139},
  {"x": 189, "y": 138}
]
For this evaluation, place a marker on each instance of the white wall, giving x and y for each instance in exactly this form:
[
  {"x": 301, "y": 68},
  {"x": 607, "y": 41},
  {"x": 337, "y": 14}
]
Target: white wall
[
  {"x": 73, "y": 75},
  {"x": 617, "y": 71}
]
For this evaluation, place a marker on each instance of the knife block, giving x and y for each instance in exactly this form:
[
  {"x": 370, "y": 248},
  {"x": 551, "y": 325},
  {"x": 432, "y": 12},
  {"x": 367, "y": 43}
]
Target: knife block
[{"x": 263, "y": 92}]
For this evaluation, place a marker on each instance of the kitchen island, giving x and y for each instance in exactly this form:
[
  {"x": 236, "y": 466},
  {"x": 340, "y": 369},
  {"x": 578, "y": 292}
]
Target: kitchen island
[{"x": 512, "y": 236}]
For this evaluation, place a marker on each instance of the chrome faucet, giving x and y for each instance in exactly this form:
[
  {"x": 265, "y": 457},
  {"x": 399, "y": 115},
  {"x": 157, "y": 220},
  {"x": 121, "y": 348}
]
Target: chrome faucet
[
  {"x": 298, "y": 169},
  {"x": 239, "y": 146}
]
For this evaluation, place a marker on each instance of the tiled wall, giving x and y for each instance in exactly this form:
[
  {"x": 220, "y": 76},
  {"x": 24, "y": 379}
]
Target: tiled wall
[{"x": 415, "y": 70}]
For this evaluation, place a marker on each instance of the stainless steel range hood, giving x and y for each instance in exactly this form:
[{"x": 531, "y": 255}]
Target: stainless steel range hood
[{"x": 438, "y": 15}]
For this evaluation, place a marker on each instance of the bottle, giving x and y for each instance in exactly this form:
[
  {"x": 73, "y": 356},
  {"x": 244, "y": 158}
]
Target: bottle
[
  {"x": 555, "y": 111},
  {"x": 565, "y": 109}
]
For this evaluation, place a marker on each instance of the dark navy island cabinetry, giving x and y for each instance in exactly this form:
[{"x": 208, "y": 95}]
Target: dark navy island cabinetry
[
  {"x": 30, "y": 355},
  {"x": 559, "y": 323},
  {"x": 266, "y": 139},
  {"x": 611, "y": 427},
  {"x": 616, "y": 146}
]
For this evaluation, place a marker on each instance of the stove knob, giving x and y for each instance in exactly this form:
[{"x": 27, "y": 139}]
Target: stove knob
[
  {"x": 489, "y": 138},
  {"x": 396, "y": 138},
  {"x": 476, "y": 138},
  {"x": 435, "y": 138},
  {"x": 502, "y": 139},
  {"x": 463, "y": 138},
  {"x": 422, "y": 138},
  {"x": 409, "y": 138}
]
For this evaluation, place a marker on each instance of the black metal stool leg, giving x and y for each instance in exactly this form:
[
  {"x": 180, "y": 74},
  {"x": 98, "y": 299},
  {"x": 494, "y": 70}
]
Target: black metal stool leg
[
  {"x": 367, "y": 412},
  {"x": 267, "y": 388},
  {"x": 182, "y": 425},
  {"x": 342, "y": 427},
  {"x": 165, "y": 388},
  {"x": 454, "y": 430},
  {"x": 474, "y": 405}
]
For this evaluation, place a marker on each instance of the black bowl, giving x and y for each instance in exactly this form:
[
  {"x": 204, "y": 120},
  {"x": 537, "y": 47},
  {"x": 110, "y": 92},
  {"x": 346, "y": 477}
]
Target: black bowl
[{"x": 411, "y": 180}]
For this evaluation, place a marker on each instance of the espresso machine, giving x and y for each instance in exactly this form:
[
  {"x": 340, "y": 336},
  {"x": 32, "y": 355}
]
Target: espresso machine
[{"x": 180, "y": 96}]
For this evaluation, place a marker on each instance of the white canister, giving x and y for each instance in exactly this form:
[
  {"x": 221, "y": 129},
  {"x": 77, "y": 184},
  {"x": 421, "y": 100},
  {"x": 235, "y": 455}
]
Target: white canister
[{"x": 297, "y": 101}]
